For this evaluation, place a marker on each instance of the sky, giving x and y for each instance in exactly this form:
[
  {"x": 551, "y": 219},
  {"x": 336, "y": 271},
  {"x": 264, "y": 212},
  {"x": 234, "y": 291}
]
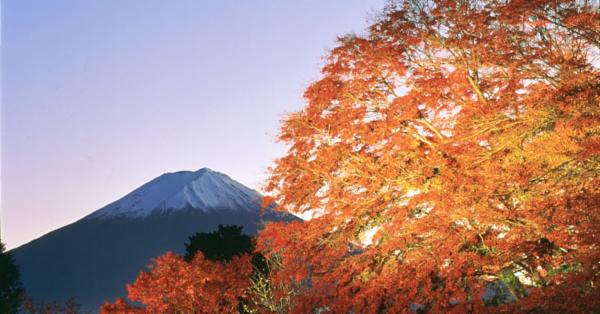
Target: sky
[{"x": 99, "y": 97}]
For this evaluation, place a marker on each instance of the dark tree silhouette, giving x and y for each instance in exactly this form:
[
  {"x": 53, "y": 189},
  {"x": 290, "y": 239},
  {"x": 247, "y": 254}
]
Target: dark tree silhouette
[
  {"x": 11, "y": 289},
  {"x": 220, "y": 245}
]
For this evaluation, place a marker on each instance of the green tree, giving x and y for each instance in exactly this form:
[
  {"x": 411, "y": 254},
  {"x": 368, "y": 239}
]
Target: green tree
[
  {"x": 220, "y": 245},
  {"x": 11, "y": 289}
]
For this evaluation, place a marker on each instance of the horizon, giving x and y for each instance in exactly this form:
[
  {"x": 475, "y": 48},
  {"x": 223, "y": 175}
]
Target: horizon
[{"x": 100, "y": 98}]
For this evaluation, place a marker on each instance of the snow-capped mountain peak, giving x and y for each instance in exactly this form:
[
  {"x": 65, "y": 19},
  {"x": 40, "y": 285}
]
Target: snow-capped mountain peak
[{"x": 204, "y": 190}]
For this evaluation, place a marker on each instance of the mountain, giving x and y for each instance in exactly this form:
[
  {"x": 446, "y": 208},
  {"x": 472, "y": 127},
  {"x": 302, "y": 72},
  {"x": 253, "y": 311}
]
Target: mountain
[
  {"x": 92, "y": 259},
  {"x": 204, "y": 190}
]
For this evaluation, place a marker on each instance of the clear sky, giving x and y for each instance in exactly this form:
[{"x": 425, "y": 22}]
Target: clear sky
[{"x": 99, "y": 97}]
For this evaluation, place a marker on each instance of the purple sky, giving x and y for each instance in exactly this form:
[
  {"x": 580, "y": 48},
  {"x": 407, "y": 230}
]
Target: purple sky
[{"x": 99, "y": 97}]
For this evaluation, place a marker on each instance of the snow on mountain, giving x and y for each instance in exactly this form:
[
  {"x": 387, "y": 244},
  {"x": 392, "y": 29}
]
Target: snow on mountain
[{"x": 204, "y": 189}]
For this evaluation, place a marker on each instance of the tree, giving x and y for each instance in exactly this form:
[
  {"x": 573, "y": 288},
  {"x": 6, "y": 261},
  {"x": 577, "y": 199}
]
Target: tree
[
  {"x": 263, "y": 295},
  {"x": 69, "y": 306},
  {"x": 11, "y": 290},
  {"x": 173, "y": 285},
  {"x": 455, "y": 145},
  {"x": 120, "y": 306},
  {"x": 220, "y": 245},
  {"x": 213, "y": 277}
]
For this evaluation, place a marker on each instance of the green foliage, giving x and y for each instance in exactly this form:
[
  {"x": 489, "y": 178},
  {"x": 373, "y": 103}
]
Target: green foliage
[
  {"x": 565, "y": 268},
  {"x": 507, "y": 276},
  {"x": 264, "y": 295},
  {"x": 220, "y": 245},
  {"x": 11, "y": 290},
  {"x": 507, "y": 289},
  {"x": 480, "y": 248}
]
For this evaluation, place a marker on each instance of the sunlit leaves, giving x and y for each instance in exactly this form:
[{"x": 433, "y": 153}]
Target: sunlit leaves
[
  {"x": 460, "y": 138},
  {"x": 173, "y": 285}
]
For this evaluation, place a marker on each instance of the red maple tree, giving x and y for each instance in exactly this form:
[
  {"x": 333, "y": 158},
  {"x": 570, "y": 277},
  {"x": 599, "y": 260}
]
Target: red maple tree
[
  {"x": 450, "y": 162},
  {"x": 452, "y": 149},
  {"x": 173, "y": 285}
]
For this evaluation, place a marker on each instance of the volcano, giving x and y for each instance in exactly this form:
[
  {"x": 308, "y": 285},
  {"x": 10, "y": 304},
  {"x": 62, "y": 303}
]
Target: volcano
[{"x": 93, "y": 258}]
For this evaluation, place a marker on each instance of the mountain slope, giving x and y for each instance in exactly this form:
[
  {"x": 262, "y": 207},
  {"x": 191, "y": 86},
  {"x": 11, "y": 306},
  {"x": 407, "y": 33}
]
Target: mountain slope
[{"x": 93, "y": 258}]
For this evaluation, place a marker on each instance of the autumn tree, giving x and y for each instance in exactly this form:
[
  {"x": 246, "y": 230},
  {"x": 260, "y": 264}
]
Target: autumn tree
[
  {"x": 212, "y": 277},
  {"x": 453, "y": 148},
  {"x": 120, "y": 306},
  {"x": 172, "y": 285},
  {"x": 69, "y": 306}
]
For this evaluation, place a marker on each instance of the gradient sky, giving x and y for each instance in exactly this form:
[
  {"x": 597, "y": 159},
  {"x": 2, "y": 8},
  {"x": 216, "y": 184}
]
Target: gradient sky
[{"x": 99, "y": 97}]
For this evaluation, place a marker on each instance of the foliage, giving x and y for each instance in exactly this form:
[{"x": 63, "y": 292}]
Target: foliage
[
  {"x": 454, "y": 145},
  {"x": 120, "y": 306},
  {"x": 451, "y": 151},
  {"x": 69, "y": 306},
  {"x": 211, "y": 278},
  {"x": 220, "y": 245},
  {"x": 11, "y": 290},
  {"x": 262, "y": 295},
  {"x": 173, "y": 285}
]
